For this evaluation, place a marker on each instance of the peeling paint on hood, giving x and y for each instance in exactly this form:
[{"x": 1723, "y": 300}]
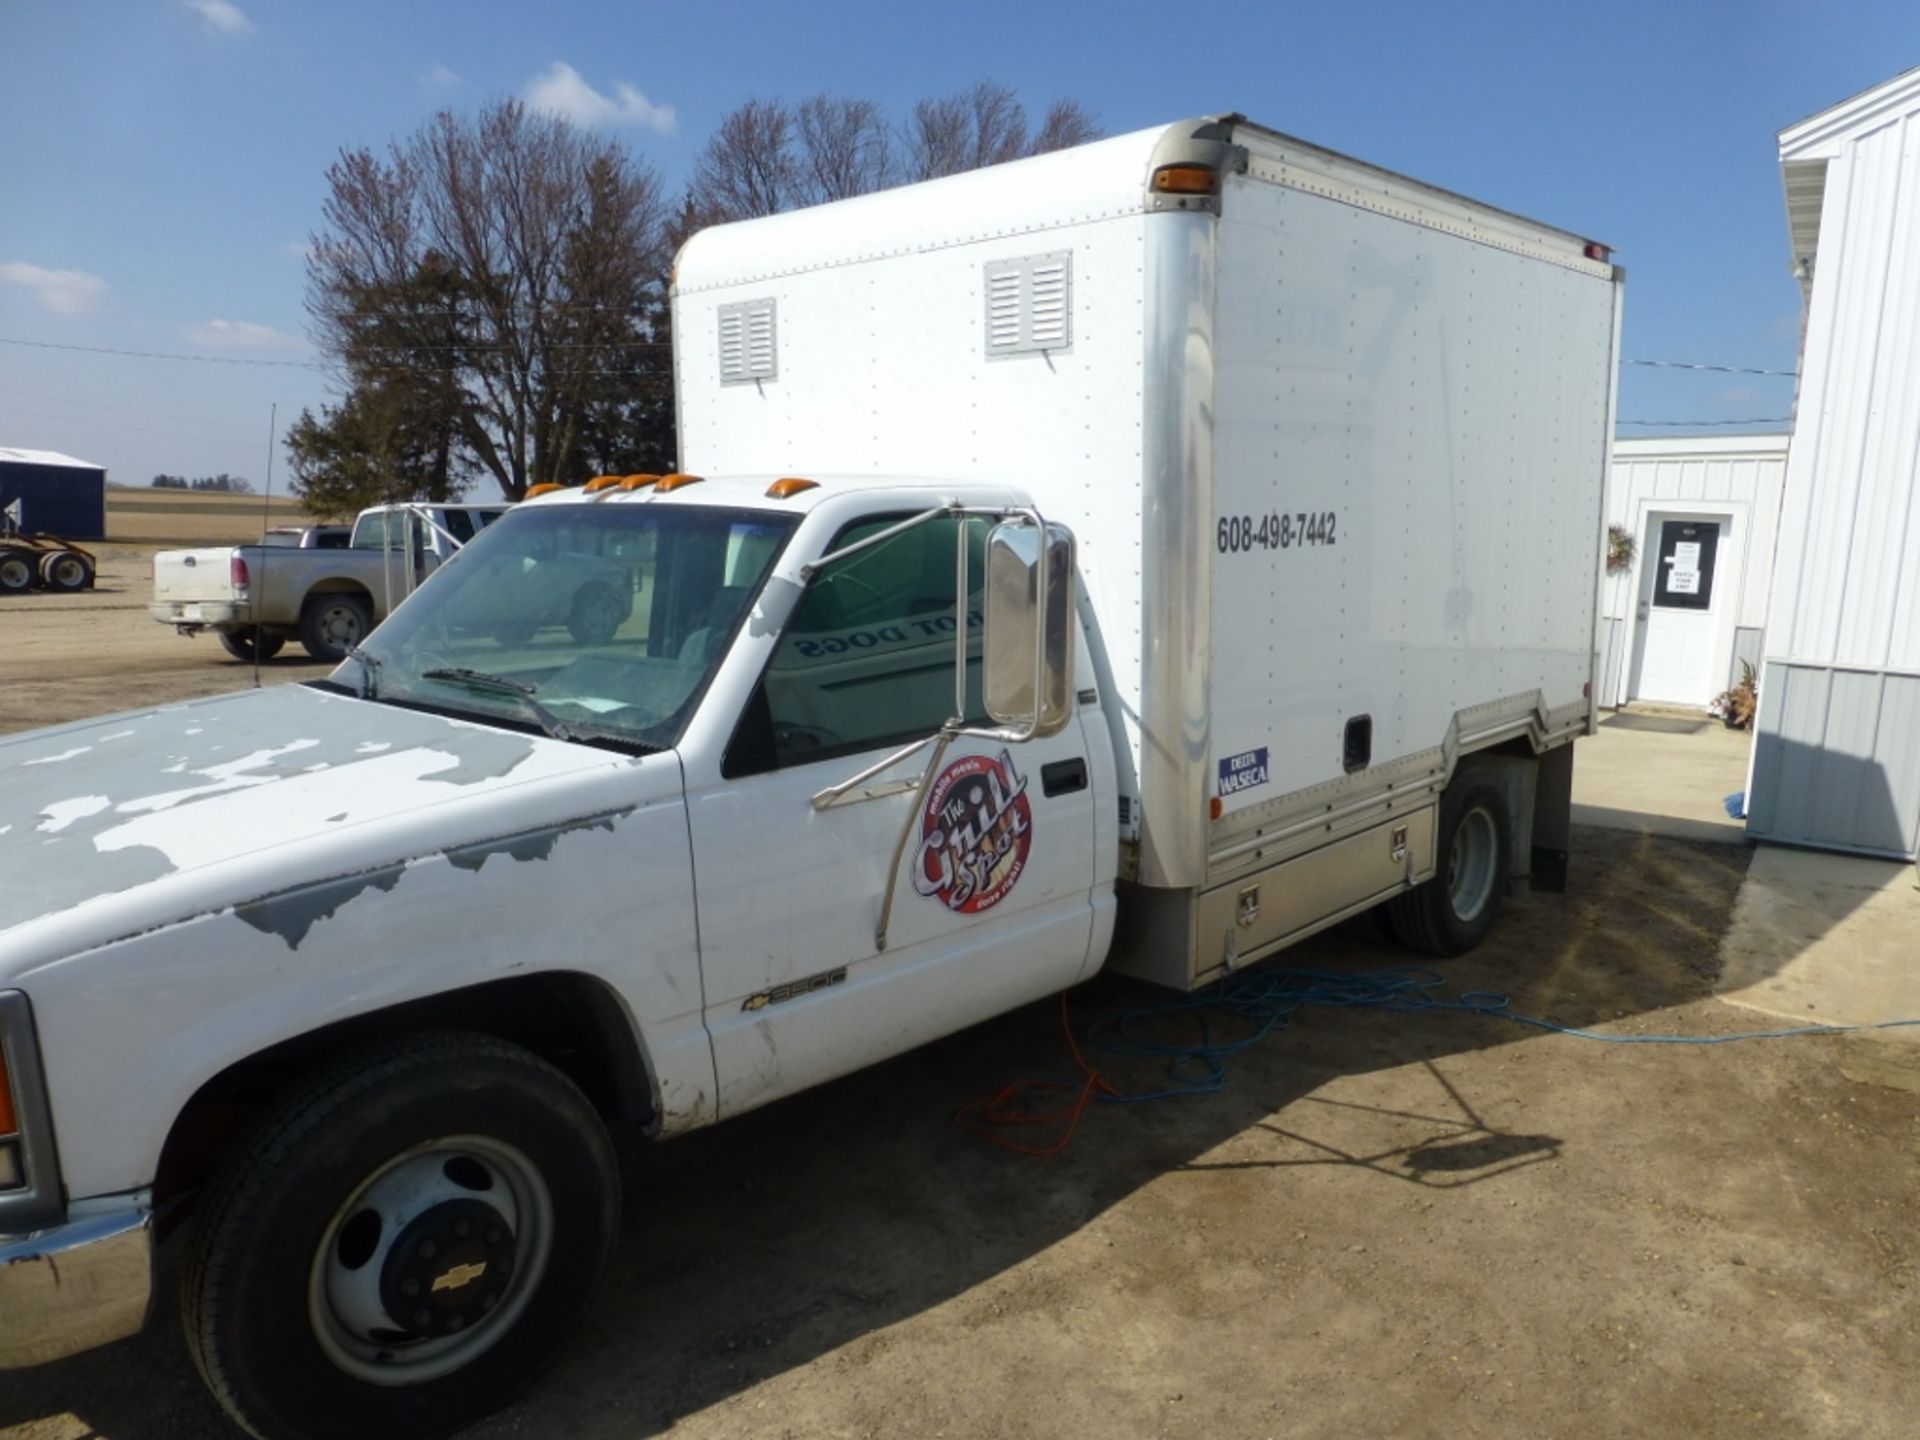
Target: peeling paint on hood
[{"x": 196, "y": 785}]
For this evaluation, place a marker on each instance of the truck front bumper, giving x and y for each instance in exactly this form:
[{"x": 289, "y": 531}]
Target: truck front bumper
[{"x": 77, "y": 1285}]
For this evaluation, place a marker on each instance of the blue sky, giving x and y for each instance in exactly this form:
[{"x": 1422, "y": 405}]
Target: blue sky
[{"x": 161, "y": 161}]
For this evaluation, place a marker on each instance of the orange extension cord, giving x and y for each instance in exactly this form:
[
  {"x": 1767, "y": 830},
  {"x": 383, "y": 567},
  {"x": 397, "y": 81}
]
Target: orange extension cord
[{"x": 991, "y": 1116}]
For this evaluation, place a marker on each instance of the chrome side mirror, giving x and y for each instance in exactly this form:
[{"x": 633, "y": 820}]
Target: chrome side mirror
[{"x": 1028, "y": 646}]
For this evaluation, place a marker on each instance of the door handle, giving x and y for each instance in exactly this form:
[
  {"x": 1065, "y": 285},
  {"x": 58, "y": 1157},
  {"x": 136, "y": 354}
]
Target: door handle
[{"x": 1063, "y": 777}]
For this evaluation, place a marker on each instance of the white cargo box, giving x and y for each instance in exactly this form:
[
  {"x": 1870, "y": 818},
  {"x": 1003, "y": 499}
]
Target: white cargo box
[{"x": 1334, "y": 444}]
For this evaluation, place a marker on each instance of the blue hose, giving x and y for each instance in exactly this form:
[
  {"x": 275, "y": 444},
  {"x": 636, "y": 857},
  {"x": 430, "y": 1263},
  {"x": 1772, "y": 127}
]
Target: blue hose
[{"x": 1240, "y": 1011}]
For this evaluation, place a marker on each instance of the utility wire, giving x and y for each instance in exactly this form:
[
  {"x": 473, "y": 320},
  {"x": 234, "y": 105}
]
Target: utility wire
[
  {"x": 1715, "y": 369},
  {"x": 1702, "y": 424}
]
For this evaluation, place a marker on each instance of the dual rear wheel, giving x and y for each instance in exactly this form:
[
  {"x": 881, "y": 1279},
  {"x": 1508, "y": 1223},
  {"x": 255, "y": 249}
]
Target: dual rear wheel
[{"x": 1452, "y": 913}]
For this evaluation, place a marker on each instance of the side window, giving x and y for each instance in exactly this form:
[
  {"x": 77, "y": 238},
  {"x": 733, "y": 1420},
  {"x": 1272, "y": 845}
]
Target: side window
[
  {"x": 370, "y": 532},
  {"x": 867, "y": 659},
  {"x": 459, "y": 524}
]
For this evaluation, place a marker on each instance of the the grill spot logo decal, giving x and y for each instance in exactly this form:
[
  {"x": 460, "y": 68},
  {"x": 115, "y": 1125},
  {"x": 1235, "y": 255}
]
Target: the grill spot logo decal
[{"x": 975, "y": 834}]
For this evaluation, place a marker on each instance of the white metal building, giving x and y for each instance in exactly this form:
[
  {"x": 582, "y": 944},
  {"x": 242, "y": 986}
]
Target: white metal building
[
  {"x": 1677, "y": 621},
  {"x": 1837, "y": 752}
]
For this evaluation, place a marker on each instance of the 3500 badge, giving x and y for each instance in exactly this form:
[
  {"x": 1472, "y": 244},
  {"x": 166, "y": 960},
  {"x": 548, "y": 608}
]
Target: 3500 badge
[{"x": 975, "y": 834}]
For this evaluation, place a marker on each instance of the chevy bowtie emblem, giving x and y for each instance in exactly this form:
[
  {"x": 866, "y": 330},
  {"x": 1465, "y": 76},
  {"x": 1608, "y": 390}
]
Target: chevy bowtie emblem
[{"x": 459, "y": 1275}]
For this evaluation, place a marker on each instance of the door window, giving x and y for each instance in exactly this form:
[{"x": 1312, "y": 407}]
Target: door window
[
  {"x": 867, "y": 659},
  {"x": 1683, "y": 573}
]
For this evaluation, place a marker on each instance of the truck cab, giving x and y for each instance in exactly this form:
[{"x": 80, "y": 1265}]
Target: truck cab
[{"x": 773, "y": 827}]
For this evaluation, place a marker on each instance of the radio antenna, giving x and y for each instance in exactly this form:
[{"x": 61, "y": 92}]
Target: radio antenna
[{"x": 266, "y": 524}]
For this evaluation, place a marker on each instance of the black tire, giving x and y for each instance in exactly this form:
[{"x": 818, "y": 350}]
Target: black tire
[
  {"x": 19, "y": 570},
  {"x": 271, "y": 1235},
  {"x": 598, "y": 612},
  {"x": 240, "y": 644},
  {"x": 66, "y": 570},
  {"x": 331, "y": 625},
  {"x": 1452, "y": 913}
]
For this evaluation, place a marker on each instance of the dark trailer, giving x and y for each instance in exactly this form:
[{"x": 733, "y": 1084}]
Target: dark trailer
[{"x": 49, "y": 494}]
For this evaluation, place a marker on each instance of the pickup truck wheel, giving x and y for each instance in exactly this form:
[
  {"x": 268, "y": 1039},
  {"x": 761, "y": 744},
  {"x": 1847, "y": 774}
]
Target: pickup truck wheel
[
  {"x": 403, "y": 1244},
  {"x": 241, "y": 645},
  {"x": 331, "y": 625},
  {"x": 598, "y": 611},
  {"x": 1453, "y": 912},
  {"x": 17, "y": 571}
]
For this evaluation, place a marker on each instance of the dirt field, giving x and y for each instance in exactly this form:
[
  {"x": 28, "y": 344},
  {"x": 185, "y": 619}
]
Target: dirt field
[
  {"x": 65, "y": 657},
  {"x": 1385, "y": 1225}
]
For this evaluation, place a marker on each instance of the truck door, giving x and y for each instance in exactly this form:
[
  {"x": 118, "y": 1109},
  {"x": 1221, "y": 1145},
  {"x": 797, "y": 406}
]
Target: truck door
[{"x": 994, "y": 900}]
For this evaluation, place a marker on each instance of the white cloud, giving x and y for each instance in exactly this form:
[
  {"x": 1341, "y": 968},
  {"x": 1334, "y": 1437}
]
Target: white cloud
[
  {"x": 562, "y": 90},
  {"x": 440, "y": 77},
  {"x": 298, "y": 249},
  {"x": 64, "y": 292},
  {"x": 241, "y": 335},
  {"x": 222, "y": 17}
]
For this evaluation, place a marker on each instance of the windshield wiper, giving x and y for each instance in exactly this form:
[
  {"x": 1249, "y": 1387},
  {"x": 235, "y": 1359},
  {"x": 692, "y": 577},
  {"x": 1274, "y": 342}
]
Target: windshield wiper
[{"x": 501, "y": 685}]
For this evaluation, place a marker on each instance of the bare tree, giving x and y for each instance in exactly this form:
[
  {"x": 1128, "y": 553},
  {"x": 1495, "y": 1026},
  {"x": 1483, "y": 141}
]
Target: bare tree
[
  {"x": 844, "y": 149},
  {"x": 986, "y": 125},
  {"x": 1068, "y": 123},
  {"x": 747, "y": 168},
  {"x": 508, "y": 264}
]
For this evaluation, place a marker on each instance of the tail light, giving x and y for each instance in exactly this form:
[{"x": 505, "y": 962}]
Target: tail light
[{"x": 237, "y": 572}]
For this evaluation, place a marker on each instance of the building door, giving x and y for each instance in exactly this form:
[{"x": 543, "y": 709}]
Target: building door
[{"x": 1679, "y": 610}]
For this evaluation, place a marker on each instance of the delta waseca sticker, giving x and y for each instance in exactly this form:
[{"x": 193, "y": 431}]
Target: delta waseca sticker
[{"x": 974, "y": 834}]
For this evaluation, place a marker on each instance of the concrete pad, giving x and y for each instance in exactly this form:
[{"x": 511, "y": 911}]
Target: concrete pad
[
  {"x": 1829, "y": 939},
  {"x": 1659, "y": 783}
]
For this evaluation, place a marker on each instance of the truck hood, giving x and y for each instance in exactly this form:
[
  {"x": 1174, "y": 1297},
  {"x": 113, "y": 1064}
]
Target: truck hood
[{"x": 116, "y": 826}]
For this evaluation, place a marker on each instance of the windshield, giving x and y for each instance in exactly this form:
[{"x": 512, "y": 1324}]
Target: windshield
[{"x": 590, "y": 622}]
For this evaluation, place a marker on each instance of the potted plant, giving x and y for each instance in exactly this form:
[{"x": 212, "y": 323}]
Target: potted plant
[{"x": 1737, "y": 706}]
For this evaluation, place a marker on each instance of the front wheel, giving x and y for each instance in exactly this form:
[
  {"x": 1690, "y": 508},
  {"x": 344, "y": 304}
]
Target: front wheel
[
  {"x": 403, "y": 1244},
  {"x": 1453, "y": 912}
]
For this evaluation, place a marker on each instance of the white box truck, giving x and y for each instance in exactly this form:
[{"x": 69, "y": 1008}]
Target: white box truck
[{"x": 1145, "y": 555}]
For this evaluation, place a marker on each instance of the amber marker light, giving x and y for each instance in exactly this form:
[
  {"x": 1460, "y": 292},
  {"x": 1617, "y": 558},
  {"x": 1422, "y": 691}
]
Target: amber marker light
[
  {"x": 639, "y": 482},
  {"x": 545, "y": 487},
  {"x": 1214, "y": 808},
  {"x": 790, "y": 486},
  {"x": 1187, "y": 180},
  {"x": 602, "y": 482},
  {"x": 669, "y": 483}
]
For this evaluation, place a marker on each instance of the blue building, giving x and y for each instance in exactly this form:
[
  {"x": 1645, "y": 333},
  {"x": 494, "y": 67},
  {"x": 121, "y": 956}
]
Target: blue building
[{"x": 49, "y": 494}]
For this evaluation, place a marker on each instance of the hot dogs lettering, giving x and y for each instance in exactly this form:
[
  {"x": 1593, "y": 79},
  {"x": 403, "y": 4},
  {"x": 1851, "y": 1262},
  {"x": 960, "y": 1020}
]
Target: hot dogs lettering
[{"x": 974, "y": 834}]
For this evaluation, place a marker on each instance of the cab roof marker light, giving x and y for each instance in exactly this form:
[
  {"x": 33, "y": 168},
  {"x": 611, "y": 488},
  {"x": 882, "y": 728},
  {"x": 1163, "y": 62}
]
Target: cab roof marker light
[
  {"x": 602, "y": 482},
  {"x": 1594, "y": 250},
  {"x": 545, "y": 487},
  {"x": 790, "y": 486},
  {"x": 670, "y": 483},
  {"x": 639, "y": 482},
  {"x": 1186, "y": 179}
]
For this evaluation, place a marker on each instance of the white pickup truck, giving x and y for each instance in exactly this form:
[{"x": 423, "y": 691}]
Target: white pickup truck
[
  {"x": 258, "y": 597},
  {"x": 1233, "y": 616}
]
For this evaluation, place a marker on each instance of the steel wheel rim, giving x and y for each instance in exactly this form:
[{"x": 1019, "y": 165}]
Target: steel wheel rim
[
  {"x": 1471, "y": 863},
  {"x": 345, "y": 1310},
  {"x": 67, "y": 573},
  {"x": 341, "y": 625},
  {"x": 15, "y": 573}
]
